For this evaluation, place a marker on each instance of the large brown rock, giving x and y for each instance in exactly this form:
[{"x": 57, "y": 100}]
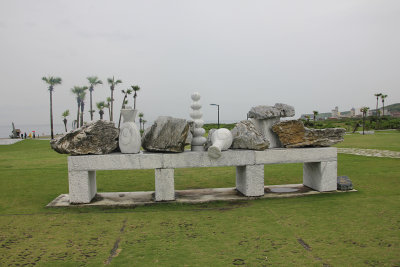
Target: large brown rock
[
  {"x": 98, "y": 137},
  {"x": 293, "y": 134},
  {"x": 167, "y": 134},
  {"x": 246, "y": 136}
]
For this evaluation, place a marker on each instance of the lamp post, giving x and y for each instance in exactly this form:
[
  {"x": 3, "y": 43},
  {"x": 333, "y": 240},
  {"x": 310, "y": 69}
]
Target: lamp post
[{"x": 218, "y": 112}]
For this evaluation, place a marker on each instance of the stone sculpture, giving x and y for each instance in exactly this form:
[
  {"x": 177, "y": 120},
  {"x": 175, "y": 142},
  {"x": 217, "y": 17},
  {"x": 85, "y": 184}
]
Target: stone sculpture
[
  {"x": 264, "y": 117},
  {"x": 129, "y": 135},
  {"x": 221, "y": 140},
  {"x": 198, "y": 139},
  {"x": 95, "y": 137},
  {"x": 246, "y": 136},
  {"x": 167, "y": 134},
  {"x": 293, "y": 134}
]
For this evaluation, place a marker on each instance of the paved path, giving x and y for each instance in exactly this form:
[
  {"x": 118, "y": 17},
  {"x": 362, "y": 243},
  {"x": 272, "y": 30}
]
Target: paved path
[
  {"x": 9, "y": 141},
  {"x": 370, "y": 152}
]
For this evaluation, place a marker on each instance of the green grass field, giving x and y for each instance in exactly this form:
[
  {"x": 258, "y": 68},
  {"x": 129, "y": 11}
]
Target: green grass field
[
  {"x": 351, "y": 229},
  {"x": 384, "y": 140}
]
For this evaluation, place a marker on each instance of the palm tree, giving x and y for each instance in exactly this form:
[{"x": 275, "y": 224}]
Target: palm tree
[
  {"x": 377, "y": 98},
  {"x": 112, "y": 82},
  {"x": 100, "y": 106},
  {"x": 140, "y": 120},
  {"x": 108, "y": 105},
  {"x": 65, "y": 114},
  {"x": 82, "y": 96},
  {"x": 124, "y": 102},
  {"x": 93, "y": 81},
  {"x": 383, "y": 104},
  {"x": 78, "y": 91},
  {"x": 135, "y": 88},
  {"x": 315, "y": 114},
  {"x": 51, "y": 81},
  {"x": 364, "y": 111}
]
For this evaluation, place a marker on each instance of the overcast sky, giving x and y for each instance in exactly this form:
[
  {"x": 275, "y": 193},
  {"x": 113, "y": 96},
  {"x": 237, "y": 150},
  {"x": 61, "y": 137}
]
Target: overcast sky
[{"x": 314, "y": 55}]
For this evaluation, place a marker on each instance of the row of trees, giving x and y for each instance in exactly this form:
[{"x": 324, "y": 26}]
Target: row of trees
[{"x": 80, "y": 94}]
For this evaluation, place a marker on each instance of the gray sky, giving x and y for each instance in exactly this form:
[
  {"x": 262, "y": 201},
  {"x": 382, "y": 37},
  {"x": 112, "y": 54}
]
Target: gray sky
[{"x": 314, "y": 55}]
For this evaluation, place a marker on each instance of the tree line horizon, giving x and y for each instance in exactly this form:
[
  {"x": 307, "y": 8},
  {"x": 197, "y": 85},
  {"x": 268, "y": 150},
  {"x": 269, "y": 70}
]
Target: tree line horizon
[{"x": 80, "y": 94}]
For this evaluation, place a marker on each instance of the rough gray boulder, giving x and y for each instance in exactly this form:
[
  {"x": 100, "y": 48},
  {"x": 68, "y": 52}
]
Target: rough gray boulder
[
  {"x": 293, "y": 134},
  {"x": 246, "y": 136},
  {"x": 97, "y": 137},
  {"x": 279, "y": 110},
  {"x": 344, "y": 183},
  {"x": 167, "y": 134}
]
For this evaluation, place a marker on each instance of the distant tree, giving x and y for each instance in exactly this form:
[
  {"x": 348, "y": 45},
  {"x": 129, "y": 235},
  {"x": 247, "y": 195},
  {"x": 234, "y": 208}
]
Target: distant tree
[
  {"x": 112, "y": 82},
  {"x": 383, "y": 97},
  {"x": 77, "y": 91},
  {"x": 140, "y": 120},
  {"x": 82, "y": 97},
  {"x": 144, "y": 122},
  {"x": 100, "y": 107},
  {"x": 377, "y": 98},
  {"x": 108, "y": 106},
  {"x": 308, "y": 118},
  {"x": 315, "y": 115},
  {"x": 135, "y": 88},
  {"x": 93, "y": 81},
  {"x": 364, "y": 111},
  {"x": 124, "y": 102},
  {"x": 51, "y": 81},
  {"x": 65, "y": 114}
]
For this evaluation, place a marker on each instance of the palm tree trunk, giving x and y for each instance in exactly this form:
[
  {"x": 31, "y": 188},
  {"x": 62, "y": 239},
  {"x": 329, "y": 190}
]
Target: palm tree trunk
[
  {"x": 91, "y": 108},
  {"x": 82, "y": 109},
  {"x": 134, "y": 101},
  {"x": 112, "y": 104},
  {"x": 383, "y": 108},
  {"x": 65, "y": 124},
  {"x": 51, "y": 114},
  {"x": 77, "y": 116},
  {"x": 376, "y": 106},
  {"x": 101, "y": 112}
]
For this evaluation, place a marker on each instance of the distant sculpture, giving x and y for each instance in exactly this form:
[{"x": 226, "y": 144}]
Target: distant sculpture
[
  {"x": 221, "y": 140},
  {"x": 129, "y": 135},
  {"x": 198, "y": 140},
  {"x": 15, "y": 132}
]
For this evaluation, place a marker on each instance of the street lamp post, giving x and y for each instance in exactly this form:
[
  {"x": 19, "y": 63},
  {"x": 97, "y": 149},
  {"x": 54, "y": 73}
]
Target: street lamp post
[{"x": 218, "y": 112}]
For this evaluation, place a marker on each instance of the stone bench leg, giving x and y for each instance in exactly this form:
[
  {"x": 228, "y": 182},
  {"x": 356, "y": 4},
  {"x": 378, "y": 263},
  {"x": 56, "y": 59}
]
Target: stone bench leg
[
  {"x": 164, "y": 182},
  {"x": 82, "y": 186},
  {"x": 320, "y": 176},
  {"x": 250, "y": 180}
]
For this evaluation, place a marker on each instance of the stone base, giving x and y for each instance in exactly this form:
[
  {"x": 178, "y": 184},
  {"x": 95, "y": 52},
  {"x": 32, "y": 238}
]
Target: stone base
[{"x": 131, "y": 199}]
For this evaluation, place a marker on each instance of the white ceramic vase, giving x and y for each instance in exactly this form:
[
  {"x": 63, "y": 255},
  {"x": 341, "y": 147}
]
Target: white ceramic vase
[{"x": 129, "y": 135}]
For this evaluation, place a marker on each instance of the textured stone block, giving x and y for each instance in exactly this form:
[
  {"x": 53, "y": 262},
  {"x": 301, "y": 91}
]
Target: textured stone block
[
  {"x": 115, "y": 161},
  {"x": 250, "y": 180},
  {"x": 320, "y": 176},
  {"x": 201, "y": 159},
  {"x": 164, "y": 183},
  {"x": 295, "y": 155},
  {"x": 82, "y": 186}
]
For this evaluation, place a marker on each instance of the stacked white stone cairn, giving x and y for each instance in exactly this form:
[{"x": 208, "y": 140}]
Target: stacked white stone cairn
[{"x": 198, "y": 140}]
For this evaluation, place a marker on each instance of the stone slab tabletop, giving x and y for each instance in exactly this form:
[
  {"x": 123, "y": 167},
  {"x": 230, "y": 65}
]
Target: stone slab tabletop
[{"x": 189, "y": 159}]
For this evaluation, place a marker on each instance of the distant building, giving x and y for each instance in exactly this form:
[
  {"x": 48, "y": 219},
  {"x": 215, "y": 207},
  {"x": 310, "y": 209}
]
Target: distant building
[
  {"x": 335, "y": 113},
  {"x": 352, "y": 112}
]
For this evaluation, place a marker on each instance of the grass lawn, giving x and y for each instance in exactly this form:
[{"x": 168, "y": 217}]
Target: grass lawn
[
  {"x": 351, "y": 229},
  {"x": 384, "y": 140}
]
